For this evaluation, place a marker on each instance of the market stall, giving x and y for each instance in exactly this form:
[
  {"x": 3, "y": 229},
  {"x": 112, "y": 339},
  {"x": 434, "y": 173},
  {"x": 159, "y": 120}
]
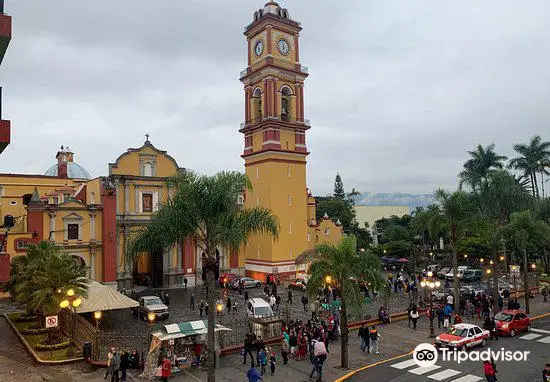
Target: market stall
[{"x": 179, "y": 342}]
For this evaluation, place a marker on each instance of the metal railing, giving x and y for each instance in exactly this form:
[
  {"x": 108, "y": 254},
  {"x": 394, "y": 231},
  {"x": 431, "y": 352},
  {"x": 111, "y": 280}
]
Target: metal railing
[{"x": 281, "y": 117}]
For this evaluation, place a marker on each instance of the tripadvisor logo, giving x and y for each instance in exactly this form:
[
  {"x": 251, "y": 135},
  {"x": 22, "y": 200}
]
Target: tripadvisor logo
[{"x": 426, "y": 355}]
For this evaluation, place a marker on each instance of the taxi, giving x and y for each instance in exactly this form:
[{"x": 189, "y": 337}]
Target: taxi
[{"x": 462, "y": 337}]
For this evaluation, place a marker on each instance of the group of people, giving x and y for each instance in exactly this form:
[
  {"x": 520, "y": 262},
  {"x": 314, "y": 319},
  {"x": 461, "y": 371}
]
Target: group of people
[
  {"x": 369, "y": 339},
  {"x": 119, "y": 363}
]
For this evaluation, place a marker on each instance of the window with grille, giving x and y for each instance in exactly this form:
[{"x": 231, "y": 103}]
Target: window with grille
[
  {"x": 147, "y": 202},
  {"x": 72, "y": 231}
]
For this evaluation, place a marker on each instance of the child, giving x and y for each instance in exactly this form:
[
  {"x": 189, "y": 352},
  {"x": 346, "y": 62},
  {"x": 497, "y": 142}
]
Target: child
[
  {"x": 262, "y": 358},
  {"x": 272, "y": 363}
]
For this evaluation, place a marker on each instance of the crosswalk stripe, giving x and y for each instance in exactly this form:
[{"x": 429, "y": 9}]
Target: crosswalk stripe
[
  {"x": 530, "y": 336},
  {"x": 545, "y": 340},
  {"x": 468, "y": 378},
  {"x": 444, "y": 374},
  {"x": 424, "y": 370},
  {"x": 404, "y": 364},
  {"x": 540, "y": 331}
]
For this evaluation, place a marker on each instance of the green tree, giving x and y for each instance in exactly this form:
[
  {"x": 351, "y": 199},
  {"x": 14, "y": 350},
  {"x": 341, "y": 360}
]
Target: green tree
[
  {"x": 336, "y": 209},
  {"x": 526, "y": 228},
  {"x": 344, "y": 265},
  {"x": 533, "y": 157},
  {"x": 207, "y": 210},
  {"x": 339, "y": 188},
  {"x": 482, "y": 162}
]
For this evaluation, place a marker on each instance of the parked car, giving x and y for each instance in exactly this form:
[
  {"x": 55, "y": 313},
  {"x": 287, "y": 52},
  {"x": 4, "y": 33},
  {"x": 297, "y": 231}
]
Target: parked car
[
  {"x": 512, "y": 322},
  {"x": 249, "y": 282},
  {"x": 227, "y": 278},
  {"x": 298, "y": 284},
  {"x": 470, "y": 275},
  {"x": 258, "y": 307},
  {"x": 151, "y": 304},
  {"x": 433, "y": 268},
  {"x": 450, "y": 275},
  {"x": 462, "y": 337},
  {"x": 442, "y": 272}
]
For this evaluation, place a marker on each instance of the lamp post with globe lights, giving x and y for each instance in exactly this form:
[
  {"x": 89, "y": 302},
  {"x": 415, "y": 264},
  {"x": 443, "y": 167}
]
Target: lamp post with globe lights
[
  {"x": 430, "y": 283},
  {"x": 71, "y": 302}
]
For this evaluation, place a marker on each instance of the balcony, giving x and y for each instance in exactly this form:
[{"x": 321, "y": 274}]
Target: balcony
[
  {"x": 277, "y": 118},
  {"x": 5, "y": 33}
]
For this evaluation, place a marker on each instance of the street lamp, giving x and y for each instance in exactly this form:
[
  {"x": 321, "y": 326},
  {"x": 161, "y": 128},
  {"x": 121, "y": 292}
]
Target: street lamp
[
  {"x": 72, "y": 301},
  {"x": 533, "y": 266},
  {"x": 151, "y": 317},
  {"x": 328, "y": 279},
  {"x": 97, "y": 316},
  {"x": 481, "y": 260},
  {"x": 501, "y": 257},
  {"x": 429, "y": 282}
]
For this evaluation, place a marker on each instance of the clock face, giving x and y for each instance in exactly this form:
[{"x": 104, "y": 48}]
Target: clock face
[
  {"x": 283, "y": 47},
  {"x": 259, "y": 48}
]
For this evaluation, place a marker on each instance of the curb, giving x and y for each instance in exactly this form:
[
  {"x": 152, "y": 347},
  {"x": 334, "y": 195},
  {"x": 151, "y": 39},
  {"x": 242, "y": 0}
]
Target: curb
[
  {"x": 31, "y": 351},
  {"x": 352, "y": 373}
]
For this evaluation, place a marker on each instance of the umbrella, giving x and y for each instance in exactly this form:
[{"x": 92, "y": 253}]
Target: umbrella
[
  {"x": 392, "y": 259},
  {"x": 403, "y": 260}
]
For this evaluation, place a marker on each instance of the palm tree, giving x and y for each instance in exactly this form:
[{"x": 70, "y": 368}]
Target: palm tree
[
  {"x": 483, "y": 161},
  {"x": 45, "y": 278},
  {"x": 526, "y": 228},
  {"x": 206, "y": 210},
  {"x": 345, "y": 266},
  {"x": 455, "y": 207},
  {"x": 533, "y": 158}
]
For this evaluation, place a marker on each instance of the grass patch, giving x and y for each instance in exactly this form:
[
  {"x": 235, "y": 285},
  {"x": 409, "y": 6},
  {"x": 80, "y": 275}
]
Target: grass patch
[{"x": 32, "y": 340}]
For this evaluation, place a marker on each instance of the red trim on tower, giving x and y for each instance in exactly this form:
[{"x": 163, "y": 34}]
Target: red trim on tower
[
  {"x": 271, "y": 146},
  {"x": 269, "y": 31},
  {"x": 275, "y": 160},
  {"x": 247, "y": 105},
  {"x": 233, "y": 258},
  {"x": 188, "y": 256},
  {"x": 35, "y": 224}
]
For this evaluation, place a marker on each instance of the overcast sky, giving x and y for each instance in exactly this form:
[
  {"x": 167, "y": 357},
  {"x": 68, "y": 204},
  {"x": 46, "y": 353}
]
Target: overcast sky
[{"x": 398, "y": 90}]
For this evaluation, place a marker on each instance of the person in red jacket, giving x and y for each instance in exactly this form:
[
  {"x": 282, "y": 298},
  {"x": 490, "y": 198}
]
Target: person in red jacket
[
  {"x": 166, "y": 369},
  {"x": 489, "y": 371}
]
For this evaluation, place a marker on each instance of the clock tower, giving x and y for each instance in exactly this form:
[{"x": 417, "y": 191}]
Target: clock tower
[{"x": 274, "y": 132}]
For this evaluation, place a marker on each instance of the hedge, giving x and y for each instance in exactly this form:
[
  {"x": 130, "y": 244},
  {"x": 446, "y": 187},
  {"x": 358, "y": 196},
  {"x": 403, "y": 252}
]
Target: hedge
[
  {"x": 33, "y": 330},
  {"x": 24, "y": 318},
  {"x": 42, "y": 345}
]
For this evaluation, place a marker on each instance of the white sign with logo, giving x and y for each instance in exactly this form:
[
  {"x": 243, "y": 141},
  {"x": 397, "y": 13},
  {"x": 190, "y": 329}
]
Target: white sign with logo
[{"x": 52, "y": 322}]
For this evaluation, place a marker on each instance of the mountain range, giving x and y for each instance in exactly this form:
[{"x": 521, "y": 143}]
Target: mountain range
[{"x": 394, "y": 199}]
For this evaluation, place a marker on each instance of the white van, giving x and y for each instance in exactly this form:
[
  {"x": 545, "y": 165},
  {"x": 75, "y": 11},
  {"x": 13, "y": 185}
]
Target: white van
[
  {"x": 258, "y": 307},
  {"x": 461, "y": 269}
]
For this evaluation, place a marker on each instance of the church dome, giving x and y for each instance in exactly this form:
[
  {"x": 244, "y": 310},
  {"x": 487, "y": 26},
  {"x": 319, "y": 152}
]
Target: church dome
[
  {"x": 273, "y": 8},
  {"x": 74, "y": 171}
]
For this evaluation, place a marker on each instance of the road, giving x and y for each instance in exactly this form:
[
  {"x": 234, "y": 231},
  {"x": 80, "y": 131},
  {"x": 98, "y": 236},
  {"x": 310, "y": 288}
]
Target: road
[{"x": 536, "y": 343}]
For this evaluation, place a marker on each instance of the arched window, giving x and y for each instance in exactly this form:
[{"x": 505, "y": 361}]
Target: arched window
[
  {"x": 286, "y": 105},
  {"x": 147, "y": 169},
  {"x": 257, "y": 104}
]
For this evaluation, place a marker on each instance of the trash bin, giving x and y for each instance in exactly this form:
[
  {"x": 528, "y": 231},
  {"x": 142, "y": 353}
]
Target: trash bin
[{"x": 87, "y": 350}]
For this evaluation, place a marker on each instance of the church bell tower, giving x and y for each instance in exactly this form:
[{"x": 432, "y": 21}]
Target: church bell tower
[{"x": 274, "y": 132}]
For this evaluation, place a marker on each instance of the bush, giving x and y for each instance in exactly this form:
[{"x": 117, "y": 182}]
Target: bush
[
  {"x": 23, "y": 317},
  {"x": 43, "y": 345},
  {"x": 33, "y": 330}
]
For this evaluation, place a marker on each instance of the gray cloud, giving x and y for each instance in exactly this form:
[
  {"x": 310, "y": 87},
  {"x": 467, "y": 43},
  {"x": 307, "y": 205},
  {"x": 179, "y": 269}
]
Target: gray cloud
[{"x": 398, "y": 91}]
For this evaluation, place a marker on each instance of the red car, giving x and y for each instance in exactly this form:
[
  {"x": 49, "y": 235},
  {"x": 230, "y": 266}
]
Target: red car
[
  {"x": 226, "y": 278},
  {"x": 512, "y": 322}
]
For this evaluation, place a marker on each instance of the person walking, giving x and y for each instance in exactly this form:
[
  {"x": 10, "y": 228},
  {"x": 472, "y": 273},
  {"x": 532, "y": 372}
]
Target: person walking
[
  {"x": 201, "y": 307},
  {"x": 319, "y": 357},
  {"x": 185, "y": 283},
  {"x": 272, "y": 363},
  {"x": 488, "y": 371},
  {"x": 248, "y": 341},
  {"x": 414, "y": 317},
  {"x": 109, "y": 363},
  {"x": 409, "y": 310},
  {"x": 546, "y": 373},
  {"x": 364, "y": 335},
  {"x": 544, "y": 295},
  {"x": 253, "y": 375},
  {"x": 234, "y": 307},
  {"x": 245, "y": 296},
  {"x": 374, "y": 337},
  {"x": 116, "y": 367},
  {"x": 228, "y": 305},
  {"x": 197, "y": 351},
  {"x": 166, "y": 369},
  {"x": 262, "y": 360},
  {"x": 440, "y": 318},
  {"x": 285, "y": 347},
  {"x": 124, "y": 364},
  {"x": 192, "y": 302},
  {"x": 289, "y": 294}
]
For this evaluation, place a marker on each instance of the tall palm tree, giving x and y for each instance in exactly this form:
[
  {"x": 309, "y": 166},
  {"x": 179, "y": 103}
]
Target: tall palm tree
[
  {"x": 483, "y": 161},
  {"x": 526, "y": 228},
  {"x": 533, "y": 158},
  {"x": 455, "y": 209},
  {"x": 205, "y": 209},
  {"x": 345, "y": 266}
]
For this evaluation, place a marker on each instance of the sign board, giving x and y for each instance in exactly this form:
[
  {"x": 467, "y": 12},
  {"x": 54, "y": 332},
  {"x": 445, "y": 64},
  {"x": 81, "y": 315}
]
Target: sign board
[{"x": 52, "y": 322}]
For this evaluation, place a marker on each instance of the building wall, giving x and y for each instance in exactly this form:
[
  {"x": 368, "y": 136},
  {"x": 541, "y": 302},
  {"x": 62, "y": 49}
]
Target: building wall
[{"x": 370, "y": 214}]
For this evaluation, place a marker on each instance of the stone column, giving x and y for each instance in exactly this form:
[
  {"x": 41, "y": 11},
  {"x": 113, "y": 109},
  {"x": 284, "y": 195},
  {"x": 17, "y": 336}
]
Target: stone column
[
  {"x": 170, "y": 192},
  {"x": 126, "y": 198},
  {"x": 92, "y": 226},
  {"x": 160, "y": 195},
  {"x": 92, "y": 265},
  {"x": 136, "y": 198},
  {"x": 51, "y": 234},
  {"x": 128, "y": 269}
]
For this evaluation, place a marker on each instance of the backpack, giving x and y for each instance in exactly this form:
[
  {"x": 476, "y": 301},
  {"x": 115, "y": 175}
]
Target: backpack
[
  {"x": 373, "y": 335},
  {"x": 319, "y": 349}
]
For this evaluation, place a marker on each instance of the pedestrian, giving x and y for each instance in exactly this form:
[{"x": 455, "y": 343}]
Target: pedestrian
[
  {"x": 414, "y": 317},
  {"x": 546, "y": 373},
  {"x": 234, "y": 307},
  {"x": 274, "y": 289},
  {"x": 109, "y": 370},
  {"x": 166, "y": 370},
  {"x": 201, "y": 307},
  {"x": 285, "y": 347},
  {"x": 228, "y": 305},
  {"x": 248, "y": 349},
  {"x": 289, "y": 294},
  {"x": 374, "y": 337},
  {"x": 544, "y": 295},
  {"x": 319, "y": 357},
  {"x": 134, "y": 359},
  {"x": 494, "y": 368},
  {"x": 409, "y": 310},
  {"x": 116, "y": 367},
  {"x": 364, "y": 336},
  {"x": 197, "y": 351},
  {"x": 184, "y": 282},
  {"x": 253, "y": 375},
  {"x": 262, "y": 360},
  {"x": 245, "y": 296},
  {"x": 192, "y": 302},
  {"x": 488, "y": 371},
  {"x": 124, "y": 364},
  {"x": 277, "y": 302},
  {"x": 206, "y": 307},
  {"x": 305, "y": 301},
  {"x": 272, "y": 363}
]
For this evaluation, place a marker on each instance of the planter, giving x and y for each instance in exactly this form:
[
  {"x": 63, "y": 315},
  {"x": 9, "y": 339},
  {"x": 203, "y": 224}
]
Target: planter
[
  {"x": 43, "y": 345},
  {"x": 25, "y": 318},
  {"x": 32, "y": 331}
]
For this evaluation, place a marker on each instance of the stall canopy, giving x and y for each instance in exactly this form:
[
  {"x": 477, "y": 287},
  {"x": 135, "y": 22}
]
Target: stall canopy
[
  {"x": 185, "y": 329},
  {"x": 102, "y": 297},
  {"x": 403, "y": 260}
]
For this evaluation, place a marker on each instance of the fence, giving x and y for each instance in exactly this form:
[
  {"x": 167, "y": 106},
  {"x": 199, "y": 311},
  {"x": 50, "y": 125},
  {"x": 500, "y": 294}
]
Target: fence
[
  {"x": 102, "y": 342},
  {"x": 266, "y": 327}
]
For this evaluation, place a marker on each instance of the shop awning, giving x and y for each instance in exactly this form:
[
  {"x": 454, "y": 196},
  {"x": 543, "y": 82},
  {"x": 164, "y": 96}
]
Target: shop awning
[
  {"x": 101, "y": 298},
  {"x": 185, "y": 329}
]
